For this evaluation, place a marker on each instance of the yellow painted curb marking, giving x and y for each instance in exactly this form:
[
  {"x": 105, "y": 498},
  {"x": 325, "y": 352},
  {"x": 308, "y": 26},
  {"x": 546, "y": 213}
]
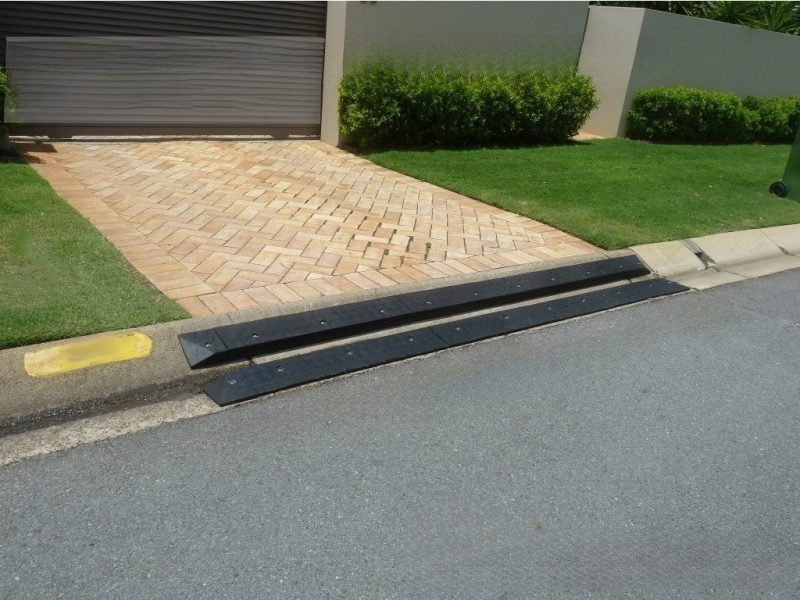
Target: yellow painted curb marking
[{"x": 88, "y": 353}]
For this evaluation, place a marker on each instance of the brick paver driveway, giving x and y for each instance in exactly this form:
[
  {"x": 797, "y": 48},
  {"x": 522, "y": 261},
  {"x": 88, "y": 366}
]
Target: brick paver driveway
[{"x": 227, "y": 225}]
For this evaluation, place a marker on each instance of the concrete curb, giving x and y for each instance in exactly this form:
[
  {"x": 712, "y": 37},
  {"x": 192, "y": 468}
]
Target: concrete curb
[
  {"x": 31, "y": 402},
  {"x": 27, "y": 402},
  {"x": 713, "y": 260}
]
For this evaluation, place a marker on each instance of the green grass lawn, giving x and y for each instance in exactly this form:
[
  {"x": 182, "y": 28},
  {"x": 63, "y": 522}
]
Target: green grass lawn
[
  {"x": 616, "y": 193},
  {"x": 58, "y": 276}
]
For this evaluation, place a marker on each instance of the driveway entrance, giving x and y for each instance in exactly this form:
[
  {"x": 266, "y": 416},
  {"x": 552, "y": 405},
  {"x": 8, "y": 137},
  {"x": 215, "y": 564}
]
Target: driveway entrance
[{"x": 236, "y": 224}]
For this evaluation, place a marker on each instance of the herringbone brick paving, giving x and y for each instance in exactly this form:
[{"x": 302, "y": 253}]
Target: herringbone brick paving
[{"x": 222, "y": 225}]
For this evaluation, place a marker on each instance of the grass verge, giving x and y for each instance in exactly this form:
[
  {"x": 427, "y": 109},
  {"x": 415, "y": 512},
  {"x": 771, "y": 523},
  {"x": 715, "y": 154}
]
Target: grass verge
[
  {"x": 616, "y": 193},
  {"x": 59, "y": 277}
]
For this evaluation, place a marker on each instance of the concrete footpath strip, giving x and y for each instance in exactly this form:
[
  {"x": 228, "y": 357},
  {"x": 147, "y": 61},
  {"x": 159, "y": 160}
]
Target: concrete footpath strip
[
  {"x": 79, "y": 386},
  {"x": 704, "y": 262}
]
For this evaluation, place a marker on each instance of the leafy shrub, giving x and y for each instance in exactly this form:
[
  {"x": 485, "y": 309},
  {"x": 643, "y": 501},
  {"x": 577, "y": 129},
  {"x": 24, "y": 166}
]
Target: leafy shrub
[
  {"x": 777, "y": 118},
  {"x": 5, "y": 84},
  {"x": 689, "y": 115},
  {"x": 8, "y": 98},
  {"x": 385, "y": 104}
]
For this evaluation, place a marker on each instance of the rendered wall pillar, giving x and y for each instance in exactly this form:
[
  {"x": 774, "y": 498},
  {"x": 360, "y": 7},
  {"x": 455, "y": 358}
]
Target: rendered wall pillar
[
  {"x": 607, "y": 56},
  {"x": 333, "y": 68}
]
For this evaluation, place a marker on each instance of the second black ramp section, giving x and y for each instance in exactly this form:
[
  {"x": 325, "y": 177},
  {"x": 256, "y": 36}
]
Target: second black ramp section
[
  {"x": 257, "y": 380},
  {"x": 501, "y": 322}
]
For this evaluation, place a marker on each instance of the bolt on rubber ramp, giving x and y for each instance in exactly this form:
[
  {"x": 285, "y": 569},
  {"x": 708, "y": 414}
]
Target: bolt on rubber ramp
[
  {"x": 257, "y": 380},
  {"x": 276, "y": 334}
]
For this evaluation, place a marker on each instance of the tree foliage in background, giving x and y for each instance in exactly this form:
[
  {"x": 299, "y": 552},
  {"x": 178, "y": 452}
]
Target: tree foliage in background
[{"x": 783, "y": 17}]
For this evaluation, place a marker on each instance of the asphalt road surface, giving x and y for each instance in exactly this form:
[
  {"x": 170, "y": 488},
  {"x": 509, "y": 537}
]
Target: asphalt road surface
[{"x": 649, "y": 452}]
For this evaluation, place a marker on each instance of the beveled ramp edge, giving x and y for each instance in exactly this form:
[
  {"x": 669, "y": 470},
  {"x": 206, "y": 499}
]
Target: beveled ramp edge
[
  {"x": 274, "y": 334},
  {"x": 257, "y": 380}
]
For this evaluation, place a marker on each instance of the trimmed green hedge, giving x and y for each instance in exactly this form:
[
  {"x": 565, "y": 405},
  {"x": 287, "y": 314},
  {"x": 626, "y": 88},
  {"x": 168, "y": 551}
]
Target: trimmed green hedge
[
  {"x": 778, "y": 118},
  {"x": 384, "y": 104},
  {"x": 691, "y": 115}
]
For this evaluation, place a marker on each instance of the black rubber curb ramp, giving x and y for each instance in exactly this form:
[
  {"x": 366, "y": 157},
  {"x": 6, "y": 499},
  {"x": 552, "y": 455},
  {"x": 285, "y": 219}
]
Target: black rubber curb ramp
[
  {"x": 276, "y": 334},
  {"x": 257, "y": 380}
]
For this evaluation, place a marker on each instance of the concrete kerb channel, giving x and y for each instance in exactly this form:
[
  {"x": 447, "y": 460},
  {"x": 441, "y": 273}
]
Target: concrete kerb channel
[
  {"x": 164, "y": 375},
  {"x": 704, "y": 262},
  {"x": 28, "y": 402}
]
